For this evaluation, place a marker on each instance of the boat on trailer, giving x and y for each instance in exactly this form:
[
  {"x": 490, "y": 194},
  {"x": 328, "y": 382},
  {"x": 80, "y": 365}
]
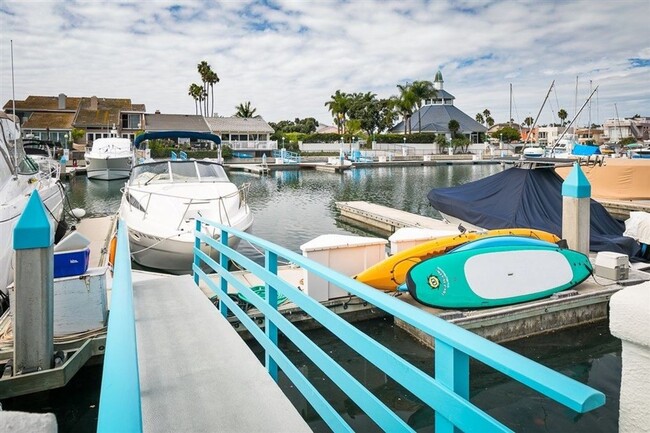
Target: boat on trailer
[{"x": 162, "y": 199}]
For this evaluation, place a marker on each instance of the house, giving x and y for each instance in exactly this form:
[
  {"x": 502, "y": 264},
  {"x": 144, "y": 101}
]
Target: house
[
  {"x": 614, "y": 130},
  {"x": 548, "y": 135},
  {"x": 436, "y": 113},
  {"x": 243, "y": 133},
  {"x": 590, "y": 136},
  {"x": 54, "y": 117}
]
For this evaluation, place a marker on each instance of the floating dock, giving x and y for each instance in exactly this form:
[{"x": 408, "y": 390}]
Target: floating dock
[{"x": 384, "y": 219}]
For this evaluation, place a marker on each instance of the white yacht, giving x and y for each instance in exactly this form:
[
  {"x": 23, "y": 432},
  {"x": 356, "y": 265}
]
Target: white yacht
[
  {"x": 161, "y": 201},
  {"x": 19, "y": 177},
  {"x": 109, "y": 158}
]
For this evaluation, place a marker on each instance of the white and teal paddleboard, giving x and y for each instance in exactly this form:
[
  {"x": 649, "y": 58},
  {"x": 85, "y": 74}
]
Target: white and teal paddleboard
[{"x": 496, "y": 271}]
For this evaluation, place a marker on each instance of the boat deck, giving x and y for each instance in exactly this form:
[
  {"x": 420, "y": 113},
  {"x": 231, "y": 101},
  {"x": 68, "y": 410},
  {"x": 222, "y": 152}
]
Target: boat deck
[{"x": 196, "y": 373}]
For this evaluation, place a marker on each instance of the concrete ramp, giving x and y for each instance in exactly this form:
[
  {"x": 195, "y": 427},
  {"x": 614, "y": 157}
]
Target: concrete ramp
[{"x": 196, "y": 373}]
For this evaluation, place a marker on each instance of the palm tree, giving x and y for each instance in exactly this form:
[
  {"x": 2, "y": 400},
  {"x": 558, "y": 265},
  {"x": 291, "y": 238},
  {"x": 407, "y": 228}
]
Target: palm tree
[
  {"x": 204, "y": 71},
  {"x": 562, "y": 114},
  {"x": 453, "y": 126},
  {"x": 422, "y": 90},
  {"x": 245, "y": 110},
  {"x": 479, "y": 118},
  {"x": 195, "y": 92},
  {"x": 338, "y": 105},
  {"x": 212, "y": 79},
  {"x": 406, "y": 101}
]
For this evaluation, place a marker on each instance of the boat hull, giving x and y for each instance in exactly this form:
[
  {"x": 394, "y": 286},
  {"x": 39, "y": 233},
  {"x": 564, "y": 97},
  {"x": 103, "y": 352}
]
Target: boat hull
[
  {"x": 108, "y": 168},
  {"x": 492, "y": 276},
  {"x": 174, "y": 255},
  {"x": 52, "y": 197},
  {"x": 390, "y": 273}
]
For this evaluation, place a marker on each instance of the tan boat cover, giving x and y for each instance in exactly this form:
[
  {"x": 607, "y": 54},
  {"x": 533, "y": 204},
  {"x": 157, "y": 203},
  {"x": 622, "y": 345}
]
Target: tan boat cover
[{"x": 617, "y": 178}]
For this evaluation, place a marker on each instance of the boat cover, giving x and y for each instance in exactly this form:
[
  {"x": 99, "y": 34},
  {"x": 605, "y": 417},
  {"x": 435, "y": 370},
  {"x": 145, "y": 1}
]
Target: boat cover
[
  {"x": 617, "y": 178},
  {"x": 520, "y": 197}
]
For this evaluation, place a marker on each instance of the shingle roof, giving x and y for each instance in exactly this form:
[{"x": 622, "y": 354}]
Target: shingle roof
[
  {"x": 175, "y": 122},
  {"x": 44, "y": 120},
  {"x": 435, "y": 118},
  {"x": 107, "y": 112},
  {"x": 35, "y": 103},
  {"x": 238, "y": 124}
]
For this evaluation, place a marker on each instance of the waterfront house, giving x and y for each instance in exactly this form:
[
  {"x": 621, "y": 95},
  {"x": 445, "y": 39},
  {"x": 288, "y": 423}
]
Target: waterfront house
[
  {"x": 243, "y": 133},
  {"x": 54, "y": 117},
  {"x": 614, "y": 130}
]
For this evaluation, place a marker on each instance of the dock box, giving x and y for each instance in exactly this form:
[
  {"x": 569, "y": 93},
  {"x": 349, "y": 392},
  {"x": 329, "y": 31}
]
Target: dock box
[
  {"x": 347, "y": 255},
  {"x": 610, "y": 265}
]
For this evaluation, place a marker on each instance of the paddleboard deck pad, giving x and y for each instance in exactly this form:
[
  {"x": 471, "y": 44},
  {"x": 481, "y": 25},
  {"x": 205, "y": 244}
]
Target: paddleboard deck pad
[{"x": 495, "y": 272}]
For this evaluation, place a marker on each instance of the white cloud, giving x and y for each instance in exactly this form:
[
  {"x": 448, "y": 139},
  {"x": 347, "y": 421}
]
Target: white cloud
[{"x": 288, "y": 57}]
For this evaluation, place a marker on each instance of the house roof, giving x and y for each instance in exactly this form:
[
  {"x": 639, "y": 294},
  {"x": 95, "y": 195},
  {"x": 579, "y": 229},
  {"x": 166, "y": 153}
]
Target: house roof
[
  {"x": 175, "y": 122},
  {"x": 238, "y": 124},
  {"x": 443, "y": 94},
  {"x": 107, "y": 112},
  {"x": 45, "y": 120},
  {"x": 39, "y": 103},
  {"x": 435, "y": 118}
]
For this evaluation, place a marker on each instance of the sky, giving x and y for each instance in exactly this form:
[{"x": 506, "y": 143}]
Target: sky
[{"x": 288, "y": 57}]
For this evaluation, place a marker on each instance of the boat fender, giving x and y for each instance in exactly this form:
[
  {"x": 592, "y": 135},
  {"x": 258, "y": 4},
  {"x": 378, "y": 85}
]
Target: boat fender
[{"x": 112, "y": 247}]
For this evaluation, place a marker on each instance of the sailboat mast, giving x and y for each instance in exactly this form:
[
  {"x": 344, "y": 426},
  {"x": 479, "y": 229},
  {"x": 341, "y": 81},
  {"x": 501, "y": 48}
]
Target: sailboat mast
[
  {"x": 573, "y": 121},
  {"x": 510, "y": 118},
  {"x": 589, "y": 125},
  {"x": 538, "y": 113}
]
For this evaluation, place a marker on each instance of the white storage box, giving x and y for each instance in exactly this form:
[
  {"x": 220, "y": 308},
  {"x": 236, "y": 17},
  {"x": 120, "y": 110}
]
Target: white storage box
[
  {"x": 408, "y": 237},
  {"x": 611, "y": 265},
  {"x": 347, "y": 255}
]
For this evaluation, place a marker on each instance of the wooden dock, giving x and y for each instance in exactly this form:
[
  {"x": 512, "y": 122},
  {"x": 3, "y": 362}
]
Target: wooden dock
[
  {"x": 384, "y": 219},
  {"x": 621, "y": 209}
]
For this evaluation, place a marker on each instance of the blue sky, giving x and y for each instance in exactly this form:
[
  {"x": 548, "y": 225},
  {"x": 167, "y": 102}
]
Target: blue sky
[{"x": 288, "y": 57}]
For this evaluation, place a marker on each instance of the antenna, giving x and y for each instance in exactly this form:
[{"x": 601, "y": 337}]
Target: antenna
[
  {"x": 574, "y": 119},
  {"x": 13, "y": 103}
]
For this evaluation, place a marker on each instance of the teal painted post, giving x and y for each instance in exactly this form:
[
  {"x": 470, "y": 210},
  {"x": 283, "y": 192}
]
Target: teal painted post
[
  {"x": 224, "y": 261},
  {"x": 120, "y": 407},
  {"x": 33, "y": 307},
  {"x": 271, "y": 264},
  {"x": 576, "y": 216},
  {"x": 452, "y": 371},
  {"x": 197, "y": 246}
]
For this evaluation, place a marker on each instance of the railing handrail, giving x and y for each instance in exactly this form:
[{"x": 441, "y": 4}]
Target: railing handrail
[
  {"x": 119, "y": 402},
  {"x": 450, "y": 339}
]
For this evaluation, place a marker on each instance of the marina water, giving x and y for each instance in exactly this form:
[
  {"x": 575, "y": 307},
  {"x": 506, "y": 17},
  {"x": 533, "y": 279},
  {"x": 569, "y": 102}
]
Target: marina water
[{"x": 293, "y": 207}]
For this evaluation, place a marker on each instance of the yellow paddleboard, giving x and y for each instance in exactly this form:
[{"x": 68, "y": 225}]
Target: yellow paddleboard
[{"x": 391, "y": 272}]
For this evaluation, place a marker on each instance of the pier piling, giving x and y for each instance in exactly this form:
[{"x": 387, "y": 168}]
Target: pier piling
[
  {"x": 33, "y": 308},
  {"x": 576, "y": 217}
]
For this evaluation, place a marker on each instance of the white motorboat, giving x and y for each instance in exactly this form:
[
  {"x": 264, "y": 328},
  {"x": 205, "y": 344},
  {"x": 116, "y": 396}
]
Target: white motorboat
[
  {"x": 109, "y": 158},
  {"x": 19, "y": 177},
  {"x": 161, "y": 201},
  {"x": 44, "y": 153}
]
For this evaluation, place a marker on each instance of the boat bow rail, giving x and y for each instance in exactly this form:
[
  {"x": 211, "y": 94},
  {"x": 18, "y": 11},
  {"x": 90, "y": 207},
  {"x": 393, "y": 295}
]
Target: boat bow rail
[{"x": 447, "y": 393}]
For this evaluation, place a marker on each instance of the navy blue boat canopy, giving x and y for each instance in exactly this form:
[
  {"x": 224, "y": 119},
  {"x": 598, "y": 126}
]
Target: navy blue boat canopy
[
  {"x": 192, "y": 135},
  {"x": 519, "y": 197}
]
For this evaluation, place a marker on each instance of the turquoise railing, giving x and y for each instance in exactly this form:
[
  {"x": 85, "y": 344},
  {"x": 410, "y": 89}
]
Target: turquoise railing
[
  {"x": 287, "y": 156},
  {"x": 447, "y": 393},
  {"x": 119, "y": 401}
]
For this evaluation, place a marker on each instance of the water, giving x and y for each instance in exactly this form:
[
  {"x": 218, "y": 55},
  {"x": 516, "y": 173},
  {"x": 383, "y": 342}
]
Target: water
[{"x": 292, "y": 208}]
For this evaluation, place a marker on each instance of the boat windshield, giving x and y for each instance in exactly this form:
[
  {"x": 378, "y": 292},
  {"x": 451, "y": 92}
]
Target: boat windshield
[{"x": 178, "y": 172}]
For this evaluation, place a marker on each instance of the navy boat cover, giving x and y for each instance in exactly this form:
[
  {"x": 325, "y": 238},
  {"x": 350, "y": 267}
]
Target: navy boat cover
[{"x": 520, "y": 197}]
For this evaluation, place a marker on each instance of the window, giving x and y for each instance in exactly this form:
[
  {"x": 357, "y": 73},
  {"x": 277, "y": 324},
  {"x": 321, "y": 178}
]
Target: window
[{"x": 130, "y": 121}]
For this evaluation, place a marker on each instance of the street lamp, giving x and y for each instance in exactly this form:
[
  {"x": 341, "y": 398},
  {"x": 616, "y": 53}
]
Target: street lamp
[
  {"x": 283, "y": 142},
  {"x": 66, "y": 140}
]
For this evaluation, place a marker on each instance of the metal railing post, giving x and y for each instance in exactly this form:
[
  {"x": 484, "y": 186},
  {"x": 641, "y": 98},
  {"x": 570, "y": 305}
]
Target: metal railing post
[
  {"x": 225, "y": 261},
  {"x": 271, "y": 264},
  {"x": 452, "y": 371},
  {"x": 197, "y": 246}
]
